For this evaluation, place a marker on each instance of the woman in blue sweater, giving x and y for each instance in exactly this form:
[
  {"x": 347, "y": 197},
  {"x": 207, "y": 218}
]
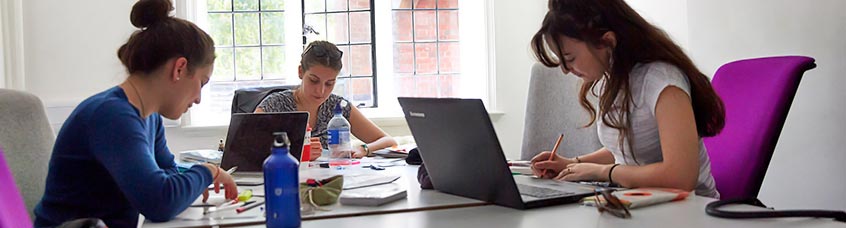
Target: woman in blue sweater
[{"x": 111, "y": 160}]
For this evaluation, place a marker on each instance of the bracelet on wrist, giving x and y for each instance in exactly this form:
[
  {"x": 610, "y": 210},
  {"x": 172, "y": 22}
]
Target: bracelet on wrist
[
  {"x": 611, "y": 181},
  {"x": 366, "y": 150}
]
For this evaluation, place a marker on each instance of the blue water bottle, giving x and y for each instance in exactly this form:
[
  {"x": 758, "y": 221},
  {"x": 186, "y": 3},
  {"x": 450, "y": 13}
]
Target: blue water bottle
[{"x": 281, "y": 188}]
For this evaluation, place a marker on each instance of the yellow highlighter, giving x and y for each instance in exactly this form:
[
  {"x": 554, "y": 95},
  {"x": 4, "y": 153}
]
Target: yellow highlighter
[{"x": 245, "y": 195}]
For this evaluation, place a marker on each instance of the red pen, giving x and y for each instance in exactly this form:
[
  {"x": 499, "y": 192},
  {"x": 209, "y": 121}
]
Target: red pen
[{"x": 245, "y": 208}]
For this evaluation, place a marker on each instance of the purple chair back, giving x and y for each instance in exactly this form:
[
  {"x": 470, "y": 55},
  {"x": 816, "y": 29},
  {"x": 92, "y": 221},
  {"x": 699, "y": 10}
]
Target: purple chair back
[
  {"x": 757, "y": 94},
  {"x": 12, "y": 210}
]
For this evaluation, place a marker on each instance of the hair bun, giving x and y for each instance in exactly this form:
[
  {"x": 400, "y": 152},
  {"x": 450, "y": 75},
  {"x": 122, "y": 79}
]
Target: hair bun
[{"x": 149, "y": 12}]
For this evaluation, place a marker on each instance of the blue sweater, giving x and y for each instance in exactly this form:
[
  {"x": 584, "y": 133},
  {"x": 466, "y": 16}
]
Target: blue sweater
[{"x": 108, "y": 163}]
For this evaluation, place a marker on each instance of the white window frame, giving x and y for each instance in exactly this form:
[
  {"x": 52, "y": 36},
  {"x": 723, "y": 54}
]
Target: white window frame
[
  {"x": 477, "y": 74},
  {"x": 11, "y": 45}
]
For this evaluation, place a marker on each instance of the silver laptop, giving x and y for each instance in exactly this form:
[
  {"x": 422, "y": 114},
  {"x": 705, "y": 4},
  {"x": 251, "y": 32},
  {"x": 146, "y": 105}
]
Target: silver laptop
[{"x": 463, "y": 156}]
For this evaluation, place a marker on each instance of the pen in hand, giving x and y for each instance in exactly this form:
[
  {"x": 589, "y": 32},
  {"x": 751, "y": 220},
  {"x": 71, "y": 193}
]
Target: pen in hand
[{"x": 554, "y": 149}]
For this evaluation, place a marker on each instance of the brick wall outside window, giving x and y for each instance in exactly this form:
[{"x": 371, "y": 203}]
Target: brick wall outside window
[{"x": 426, "y": 47}]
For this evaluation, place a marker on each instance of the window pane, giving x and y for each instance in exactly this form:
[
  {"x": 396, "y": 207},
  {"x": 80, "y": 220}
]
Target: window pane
[
  {"x": 427, "y": 58},
  {"x": 273, "y": 28},
  {"x": 359, "y": 4},
  {"x": 246, "y": 29},
  {"x": 449, "y": 57},
  {"x": 448, "y": 84},
  {"x": 273, "y": 61},
  {"x": 427, "y": 85},
  {"x": 272, "y": 4},
  {"x": 448, "y": 25},
  {"x": 336, "y": 5},
  {"x": 246, "y": 5},
  {"x": 402, "y": 26},
  {"x": 362, "y": 64},
  {"x": 337, "y": 32},
  {"x": 312, "y": 6},
  {"x": 248, "y": 66},
  {"x": 424, "y": 25},
  {"x": 223, "y": 65},
  {"x": 341, "y": 87},
  {"x": 362, "y": 91},
  {"x": 318, "y": 23},
  {"x": 404, "y": 85},
  {"x": 360, "y": 27},
  {"x": 403, "y": 58},
  {"x": 221, "y": 28},
  {"x": 219, "y": 5},
  {"x": 345, "y": 60},
  {"x": 424, "y": 4},
  {"x": 452, "y": 4}
]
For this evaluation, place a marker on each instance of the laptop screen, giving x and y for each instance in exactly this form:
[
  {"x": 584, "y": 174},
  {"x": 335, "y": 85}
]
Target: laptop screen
[{"x": 250, "y": 137}]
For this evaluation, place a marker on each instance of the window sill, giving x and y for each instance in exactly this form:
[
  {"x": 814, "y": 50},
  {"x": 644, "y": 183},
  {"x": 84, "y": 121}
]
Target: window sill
[{"x": 379, "y": 117}]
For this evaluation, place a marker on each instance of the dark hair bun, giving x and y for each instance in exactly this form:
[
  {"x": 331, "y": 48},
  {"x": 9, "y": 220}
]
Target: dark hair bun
[{"x": 149, "y": 12}]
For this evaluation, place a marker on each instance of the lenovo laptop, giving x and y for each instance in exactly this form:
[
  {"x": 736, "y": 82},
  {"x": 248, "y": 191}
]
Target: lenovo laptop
[{"x": 463, "y": 156}]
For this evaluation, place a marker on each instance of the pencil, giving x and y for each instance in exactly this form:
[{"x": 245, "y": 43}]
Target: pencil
[{"x": 554, "y": 149}]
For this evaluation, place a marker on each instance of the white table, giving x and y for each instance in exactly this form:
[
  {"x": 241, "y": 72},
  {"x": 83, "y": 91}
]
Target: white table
[
  {"x": 689, "y": 213},
  {"x": 415, "y": 201}
]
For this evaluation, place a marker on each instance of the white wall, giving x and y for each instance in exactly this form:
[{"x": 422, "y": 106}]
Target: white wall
[
  {"x": 807, "y": 168},
  {"x": 71, "y": 47},
  {"x": 669, "y": 15},
  {"x": 515, "y": 23}
]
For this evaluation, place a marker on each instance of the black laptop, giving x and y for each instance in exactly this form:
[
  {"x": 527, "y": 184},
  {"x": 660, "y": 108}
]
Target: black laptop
[
  {"x": 250, "y": 138},
  {"x": 463, "y": 156}
]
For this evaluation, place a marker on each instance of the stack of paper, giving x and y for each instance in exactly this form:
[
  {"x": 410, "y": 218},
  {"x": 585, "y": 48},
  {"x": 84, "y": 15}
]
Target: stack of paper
[
  {"x": 373, "y": 196},
  {"x": 210, "y": 156}
]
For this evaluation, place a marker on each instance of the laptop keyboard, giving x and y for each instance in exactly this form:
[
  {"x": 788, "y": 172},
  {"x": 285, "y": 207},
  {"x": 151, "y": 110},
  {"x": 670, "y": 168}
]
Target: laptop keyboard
[{"x": 539, "y": 192}]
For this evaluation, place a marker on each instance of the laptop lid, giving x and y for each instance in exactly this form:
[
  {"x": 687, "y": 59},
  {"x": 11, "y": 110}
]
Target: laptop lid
[
  {"x": 459, "y": 146},
  {"x": 250, "y": 137}
]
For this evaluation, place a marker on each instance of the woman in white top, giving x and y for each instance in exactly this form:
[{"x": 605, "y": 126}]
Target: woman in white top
[{"x": 654, "y": 105}]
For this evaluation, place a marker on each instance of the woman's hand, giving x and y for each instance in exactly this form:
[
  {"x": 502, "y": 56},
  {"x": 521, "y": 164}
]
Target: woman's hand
[
  {"x": 544, "y": 168},
  {"x": 358, "y": 152},
  {"x": 316, "y": 148},
  {"x": 223, "y": 178},
  {"x": 582, "y": 172}
]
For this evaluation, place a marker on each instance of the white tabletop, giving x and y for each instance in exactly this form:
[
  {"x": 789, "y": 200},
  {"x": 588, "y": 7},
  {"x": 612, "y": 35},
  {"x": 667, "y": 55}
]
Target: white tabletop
[
  {"x": 415, "y": 201},
  {"x": 689, "y": 213}
]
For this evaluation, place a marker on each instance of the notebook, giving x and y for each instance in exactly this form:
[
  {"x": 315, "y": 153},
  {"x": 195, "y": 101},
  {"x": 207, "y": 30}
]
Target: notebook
[{"x": 374, "y": 195}]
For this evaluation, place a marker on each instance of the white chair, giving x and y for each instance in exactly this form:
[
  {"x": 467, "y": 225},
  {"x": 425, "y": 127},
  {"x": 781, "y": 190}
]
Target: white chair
[
  {"x": 553, "y": 108},
  {"x": 27, "y": 140}
]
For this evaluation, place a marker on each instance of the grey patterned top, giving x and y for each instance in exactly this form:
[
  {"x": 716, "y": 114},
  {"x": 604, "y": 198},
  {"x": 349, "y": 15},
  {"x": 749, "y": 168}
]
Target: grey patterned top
[{"x": 283, "y": 101}]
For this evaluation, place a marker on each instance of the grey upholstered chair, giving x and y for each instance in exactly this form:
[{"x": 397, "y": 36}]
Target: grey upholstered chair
[
  {"x": 27, "y": 140},
  {"x": 553, "y": 108}
]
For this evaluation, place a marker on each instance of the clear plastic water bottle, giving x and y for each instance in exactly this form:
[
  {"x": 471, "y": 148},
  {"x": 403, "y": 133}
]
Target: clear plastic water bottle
[
  {"x": 282, "y": 192},
  {"x": 340, "y": 150}
]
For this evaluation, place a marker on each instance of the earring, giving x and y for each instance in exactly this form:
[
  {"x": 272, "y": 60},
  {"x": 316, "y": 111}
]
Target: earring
[{"x": 177, "y": 78}]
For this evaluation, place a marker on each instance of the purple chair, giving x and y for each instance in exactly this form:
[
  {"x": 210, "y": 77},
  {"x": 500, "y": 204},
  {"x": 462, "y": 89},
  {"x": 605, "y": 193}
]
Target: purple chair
[
  {"x": 757, "y": 94},
  {"x": 12, "y": 210}
]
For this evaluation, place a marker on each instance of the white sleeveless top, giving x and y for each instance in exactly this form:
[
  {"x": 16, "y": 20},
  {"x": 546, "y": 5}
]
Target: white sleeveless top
[{"x": 647, "y": 81}]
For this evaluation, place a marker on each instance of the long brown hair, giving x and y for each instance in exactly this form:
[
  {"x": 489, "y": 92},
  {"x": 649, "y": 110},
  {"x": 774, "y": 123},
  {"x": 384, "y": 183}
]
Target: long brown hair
[
  {"x": 162, "y": 37},
  {"x": 638, "y": 41}
]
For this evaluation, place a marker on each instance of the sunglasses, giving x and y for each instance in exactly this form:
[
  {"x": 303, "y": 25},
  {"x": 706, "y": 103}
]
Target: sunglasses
[
  {"x": 321, "y": 52},
  {"x": 611, "y": 204}
]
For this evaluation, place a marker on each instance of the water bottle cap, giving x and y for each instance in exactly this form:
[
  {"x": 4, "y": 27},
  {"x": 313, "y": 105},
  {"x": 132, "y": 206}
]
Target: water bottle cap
[
  {"x": 280, "y": 139},
  {"x": 338, "y": 108}
]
